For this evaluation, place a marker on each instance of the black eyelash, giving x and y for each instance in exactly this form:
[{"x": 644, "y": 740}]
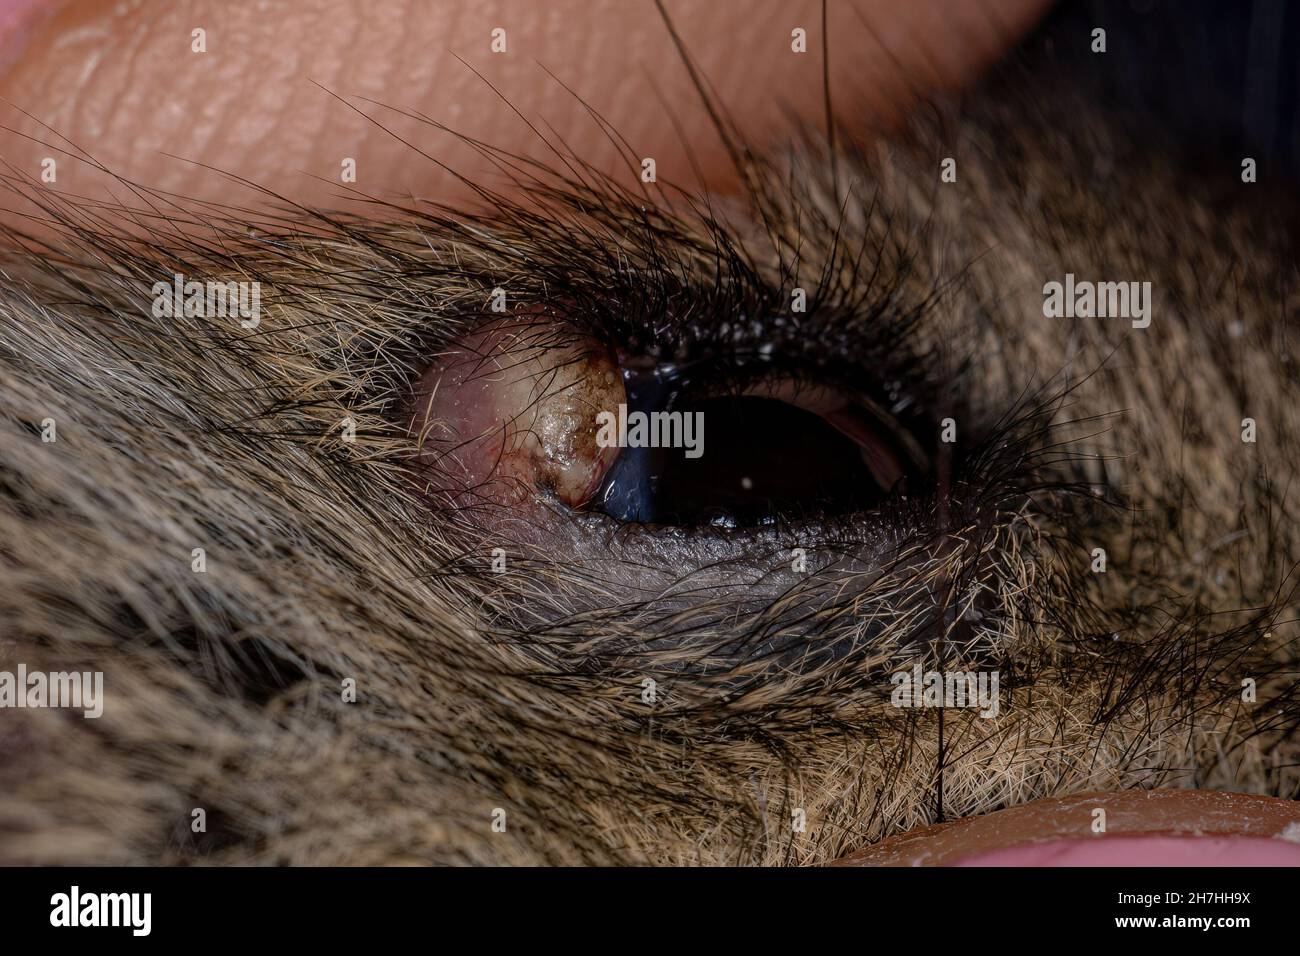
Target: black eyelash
[{"x": 670, "y": 284}]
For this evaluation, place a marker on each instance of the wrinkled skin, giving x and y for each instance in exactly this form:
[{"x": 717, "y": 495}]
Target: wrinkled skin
[{"x": 330, "y": 561}]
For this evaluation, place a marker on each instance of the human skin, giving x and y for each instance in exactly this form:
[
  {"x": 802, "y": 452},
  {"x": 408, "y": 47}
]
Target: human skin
[
  {"x": 275, "y": 98},
  {"x": 1129, "y": 828}
]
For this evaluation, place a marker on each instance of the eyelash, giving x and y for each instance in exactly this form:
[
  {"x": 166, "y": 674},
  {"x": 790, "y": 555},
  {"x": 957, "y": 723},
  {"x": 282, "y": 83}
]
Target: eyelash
[
  {"x": 655, "y": 288},
  {"x": 646, "y": 298},
  {"x": 648, "y": 283}
]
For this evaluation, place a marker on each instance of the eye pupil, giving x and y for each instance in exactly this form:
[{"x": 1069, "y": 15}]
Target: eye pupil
[{"x": 765, "y": 459}]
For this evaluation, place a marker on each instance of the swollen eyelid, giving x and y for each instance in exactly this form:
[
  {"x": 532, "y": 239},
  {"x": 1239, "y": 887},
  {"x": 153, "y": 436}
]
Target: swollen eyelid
[{"x": 505, "y": 413}]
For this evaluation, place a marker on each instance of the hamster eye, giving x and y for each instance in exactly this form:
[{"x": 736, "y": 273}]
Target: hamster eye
[
  {"x": 773, "y": 450},
  {"x": 517, "y": 414}
]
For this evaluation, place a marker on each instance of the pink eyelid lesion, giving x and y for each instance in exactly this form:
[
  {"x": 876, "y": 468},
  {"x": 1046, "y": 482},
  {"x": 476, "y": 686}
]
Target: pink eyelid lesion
[{"x": 507, "y": 416}]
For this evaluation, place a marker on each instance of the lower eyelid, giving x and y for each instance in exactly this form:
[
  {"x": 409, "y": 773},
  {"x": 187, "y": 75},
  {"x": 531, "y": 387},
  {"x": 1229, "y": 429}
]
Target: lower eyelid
[{"x": 508, "y": 414}]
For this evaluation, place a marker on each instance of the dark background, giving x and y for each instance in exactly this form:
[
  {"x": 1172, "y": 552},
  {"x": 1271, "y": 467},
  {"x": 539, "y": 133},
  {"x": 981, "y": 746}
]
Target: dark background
[{"x": 1218, "y": 77}]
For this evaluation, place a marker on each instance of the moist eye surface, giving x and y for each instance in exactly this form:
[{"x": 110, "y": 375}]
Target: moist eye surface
[{"x": 514, "y": 413}]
